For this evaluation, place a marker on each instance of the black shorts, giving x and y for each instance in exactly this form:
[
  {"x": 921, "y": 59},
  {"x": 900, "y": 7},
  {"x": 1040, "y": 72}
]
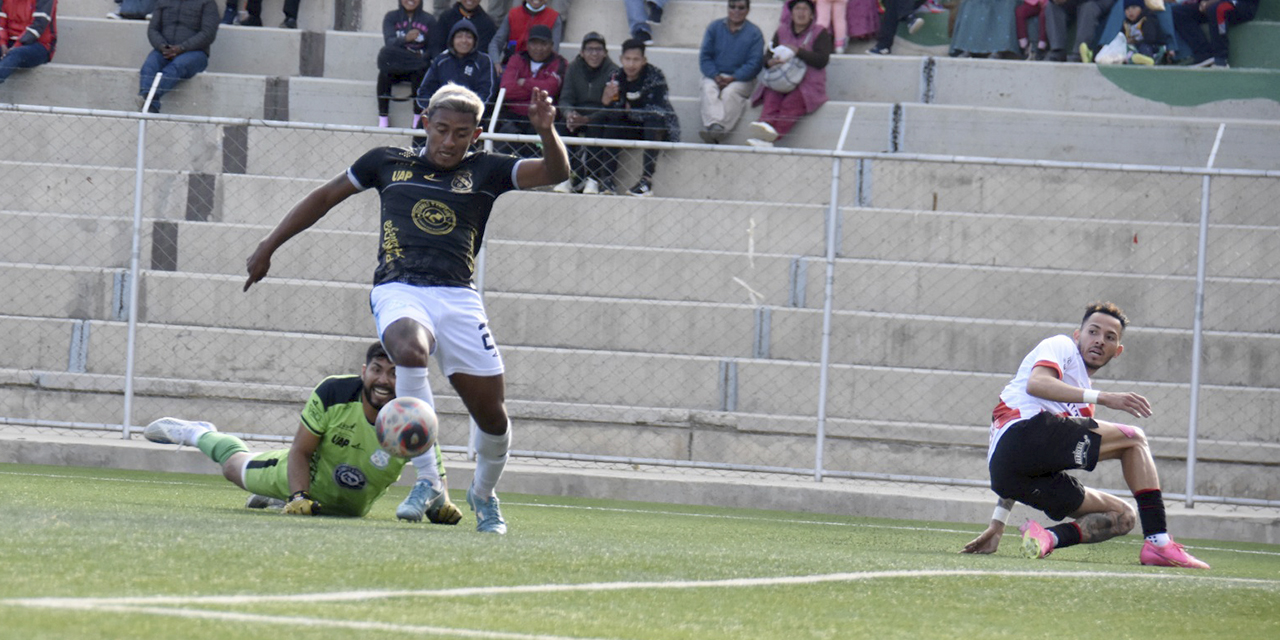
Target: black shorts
[{"x": 1030, "y": 459}]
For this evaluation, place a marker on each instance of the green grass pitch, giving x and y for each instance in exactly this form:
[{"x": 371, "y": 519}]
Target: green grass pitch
[{"x": 97, "y": 553}]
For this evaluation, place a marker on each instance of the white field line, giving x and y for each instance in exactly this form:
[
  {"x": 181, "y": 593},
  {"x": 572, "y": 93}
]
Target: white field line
[
  {"x": 862, "y": 525},
  {"x": 463, "y": 592}
]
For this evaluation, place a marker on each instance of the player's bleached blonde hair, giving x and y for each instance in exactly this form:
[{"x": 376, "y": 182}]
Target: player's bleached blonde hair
[
  {"x": 455, "y": 97},
  {"x": 1108, "y": 308}
]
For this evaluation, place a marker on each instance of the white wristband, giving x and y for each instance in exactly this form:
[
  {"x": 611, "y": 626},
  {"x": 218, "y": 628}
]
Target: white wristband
[
  {"x": 1001, "y": 514},
  {"x": 1091, "y": 396}
]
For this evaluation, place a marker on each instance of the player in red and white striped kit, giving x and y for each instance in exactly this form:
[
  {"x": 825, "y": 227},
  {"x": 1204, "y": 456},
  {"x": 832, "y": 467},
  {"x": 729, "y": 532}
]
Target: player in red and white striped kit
[{"x": 1044, "y": 426}]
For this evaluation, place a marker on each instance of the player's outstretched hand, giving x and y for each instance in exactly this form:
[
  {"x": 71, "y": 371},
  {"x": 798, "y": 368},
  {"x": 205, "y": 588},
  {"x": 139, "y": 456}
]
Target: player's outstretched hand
[
  {"x": 542, "y": 112},
  {"x": 987, "y": 542},
  {"x": 1131, "y": 403},
  {"x": 448, "y": 513},
  {"x": 301, "y": 504},
  {"x": 258, "y": 264}
]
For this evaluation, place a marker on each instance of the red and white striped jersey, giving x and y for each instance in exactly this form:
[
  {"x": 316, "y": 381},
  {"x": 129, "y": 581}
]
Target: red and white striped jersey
[{"x": 1059, "y": 353}]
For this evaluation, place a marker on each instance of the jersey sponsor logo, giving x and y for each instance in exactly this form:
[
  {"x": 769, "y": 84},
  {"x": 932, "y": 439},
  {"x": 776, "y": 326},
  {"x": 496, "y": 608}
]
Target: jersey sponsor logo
[
  {"x": 462, "y": 182},
  {"x": 380, "y": 459},
  {"x": 433, "y": 217},
  {"x": 349, "y": 477},
  {"x": 401, "y": 175},
  {"x": 391, "y": 242}
]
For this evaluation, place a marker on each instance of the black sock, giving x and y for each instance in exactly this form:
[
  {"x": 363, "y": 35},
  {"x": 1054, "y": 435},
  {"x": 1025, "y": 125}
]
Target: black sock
[
  {"x": 1151, "y": 511},
  {"x": 1068, "y": 534}
]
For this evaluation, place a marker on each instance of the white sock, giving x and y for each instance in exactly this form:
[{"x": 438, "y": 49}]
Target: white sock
[
  {"x": 491, "y": 459},
  {"x": 1055, "y": 538},
  {"x": 412, "y": 381},
  {"x": 1158, "y": 539}
]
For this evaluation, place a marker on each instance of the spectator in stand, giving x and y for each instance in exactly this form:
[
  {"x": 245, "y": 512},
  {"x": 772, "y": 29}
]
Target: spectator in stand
[
  {"x": 405, "y": 55},
  {"x": 463, "y": 64},
  {"x": 1115, "y": 24},
  {"x": 802, "y": 39},
  {"x": 180, "y": 33},
  {"x": 1218, "y": 14},
  {"x": 538, "y": 66},
  {"x": 639, "y": 109},
  {"x": 251, "y": 16},
  {"x": 1027, "y": 10},
  {"x": 513, "y": 35},
  {"x": 503, "y": 7},
  {"x": 1145, "y": 42},
  {"x": 581, "y": 102},
  {"x": 985, "y": 28},
  {"x": 863, "y": 19},
  {"x": 481, "y": 23},
  {"x": 642, "y": 17},
  {"x": 1088, "y": 14},
  {"x": 896, "y": 11},
  {"x": 731, "y": 56},
  {"x": 28, "y": 34}
]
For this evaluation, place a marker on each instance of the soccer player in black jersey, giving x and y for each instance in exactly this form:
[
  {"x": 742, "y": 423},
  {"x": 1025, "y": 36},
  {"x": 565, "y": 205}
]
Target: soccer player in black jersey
[{"x": 435, "y": 203}]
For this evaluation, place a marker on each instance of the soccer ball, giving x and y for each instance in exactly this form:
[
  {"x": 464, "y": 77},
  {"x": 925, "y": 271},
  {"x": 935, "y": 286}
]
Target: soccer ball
[{"x": 406, "y": 427}]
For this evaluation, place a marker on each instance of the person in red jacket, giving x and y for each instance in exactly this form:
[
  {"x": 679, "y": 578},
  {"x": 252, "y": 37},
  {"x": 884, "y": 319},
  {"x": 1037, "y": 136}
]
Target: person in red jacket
[
  {"x": 537, "y": 67},
  {"x": 513, "y": 35},
  {"x": 28, "y": 34}
]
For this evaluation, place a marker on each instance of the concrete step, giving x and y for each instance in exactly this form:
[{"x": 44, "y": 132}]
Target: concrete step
[
  {"x": 1255, "y": 45},
  {"x": 56, "y": 84},
  {"x": 315, "y": 15}
]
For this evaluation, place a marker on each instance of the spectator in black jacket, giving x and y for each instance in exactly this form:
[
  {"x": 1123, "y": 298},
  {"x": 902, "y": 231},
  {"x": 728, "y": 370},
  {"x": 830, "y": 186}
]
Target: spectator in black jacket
[
  {"x": 484, "y": 25},
  {"x": 405, "y": 54},
  {"x": 180, "y": 33}
]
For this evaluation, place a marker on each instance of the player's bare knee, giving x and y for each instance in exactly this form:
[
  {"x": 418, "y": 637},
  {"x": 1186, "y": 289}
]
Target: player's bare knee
[
  {"x": 493, "y": 422},
  {"x": 408, "y": 343}
]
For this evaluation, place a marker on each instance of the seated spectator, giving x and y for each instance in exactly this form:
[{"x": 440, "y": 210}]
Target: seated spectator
[
  {"x": 503, "y": 7},
  {"x": 463, "y": 64},
  {"x": 28, "y": 34},
  {"x": 863, "y": 19},
  {"x": 731, "y": 56},
  {"x": 537, "y": 66},
  {"x": 896, "y": 11},
  {"x": 180, "y": 32},
  {"x": 1027, "y": 10},
  {"x": 137, "y": 10},
  {"x": 251, "y": 15},
  {"x": 802, "y": 39},
  {"x": 513, "y": 35},
  {"x": 1188, "y": 20},
  {"x": 405, "y": 56},
  {"x": 482, "y": 24},
  {"x": 986, "y": 28},
  {"x": 642, "y": 17},
  {"x": 581, "y": 102},
  {"x": 1088, "y": 14},
  {"x": 1115, "y": 24},
  {"x": 639, "y": 108},
  {"x": 1146, "y": 42}
]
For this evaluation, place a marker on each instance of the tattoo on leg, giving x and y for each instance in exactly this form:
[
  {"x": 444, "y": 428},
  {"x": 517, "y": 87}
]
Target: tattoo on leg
[{"x": 1097, "y": 527}]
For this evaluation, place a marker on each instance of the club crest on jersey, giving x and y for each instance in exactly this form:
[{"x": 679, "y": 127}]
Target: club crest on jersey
[
  {"x": 380, "y": 459},
  {"x": 462, "y": 182},
  {"x": 349, "y": 477},
  {"x": 435, "y": 218}
]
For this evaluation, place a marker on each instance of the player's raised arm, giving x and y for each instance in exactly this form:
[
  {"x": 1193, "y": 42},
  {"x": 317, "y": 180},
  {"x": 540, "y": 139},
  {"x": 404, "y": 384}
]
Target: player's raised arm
[
  {"x": 1044, "y": 383},
  {"x": 307, "y": 212},
  {"x": 553, "y": 167}
]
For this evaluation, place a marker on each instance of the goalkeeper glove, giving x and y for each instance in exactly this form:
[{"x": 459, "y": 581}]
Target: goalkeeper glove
[
  {"x": 446, "y": 513},
  {"x": 301, "y": 504}
]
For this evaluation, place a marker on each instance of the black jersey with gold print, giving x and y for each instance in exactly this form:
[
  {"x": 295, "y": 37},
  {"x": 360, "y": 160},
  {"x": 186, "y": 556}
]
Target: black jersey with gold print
[{"x": 432, "y": 221}]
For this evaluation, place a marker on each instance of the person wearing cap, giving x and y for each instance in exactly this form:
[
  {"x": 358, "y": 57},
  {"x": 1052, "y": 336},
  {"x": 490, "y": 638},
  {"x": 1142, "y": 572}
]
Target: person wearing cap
[
  {"x": 448, "y": 16},
  {"x": 801, "y": 38},
  {"x": 513, "y": 34},
  {"x": 463, "y": 63},
  {"x": 581, "y": 102},
  {"x": 731, "y": 57},
  {"x": 537, "y": 67}
]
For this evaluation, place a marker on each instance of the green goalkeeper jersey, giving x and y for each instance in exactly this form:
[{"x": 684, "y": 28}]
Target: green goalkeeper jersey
[{"x": 349, "y": 471}]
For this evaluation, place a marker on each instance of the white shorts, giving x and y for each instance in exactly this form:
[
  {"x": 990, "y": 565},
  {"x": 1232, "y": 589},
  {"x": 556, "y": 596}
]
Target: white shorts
[{"x": 454, "y": 315}]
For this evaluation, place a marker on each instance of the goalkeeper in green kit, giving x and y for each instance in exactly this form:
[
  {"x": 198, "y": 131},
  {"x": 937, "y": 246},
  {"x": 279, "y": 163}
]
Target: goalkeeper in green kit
[{"x": 334, "y": 466}]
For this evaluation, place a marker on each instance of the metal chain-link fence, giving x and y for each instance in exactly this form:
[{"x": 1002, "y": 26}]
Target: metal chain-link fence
[{"x": 689, "y": 329}]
